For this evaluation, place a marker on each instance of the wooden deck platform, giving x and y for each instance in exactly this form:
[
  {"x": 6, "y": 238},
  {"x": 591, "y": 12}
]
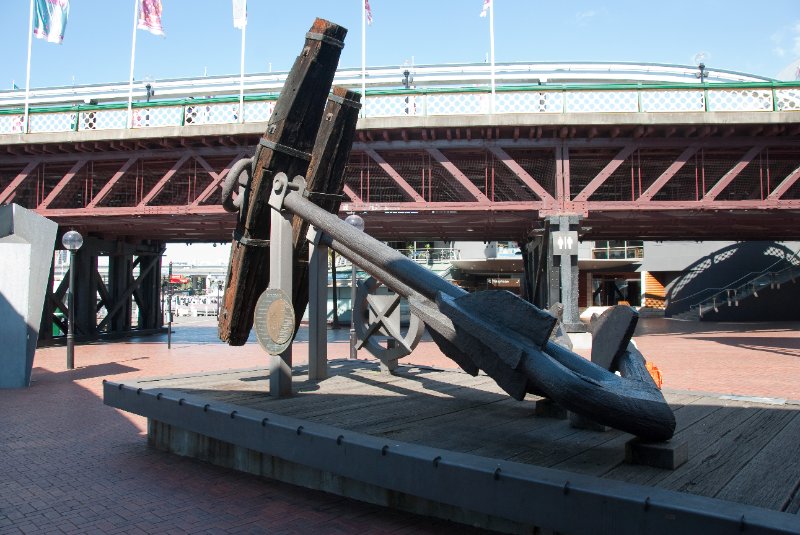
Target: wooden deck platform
[{"x": 740, "y": 450}]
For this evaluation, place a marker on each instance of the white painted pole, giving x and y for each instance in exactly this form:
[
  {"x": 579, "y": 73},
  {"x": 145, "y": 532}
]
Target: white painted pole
[
  {"x": 491, "y": 51},
  {"x": 133, "y": 55},
  {"x": 363, "y": 58},
  {"x": 28, "y": 73},
  {"x": 241, "y": 74}
]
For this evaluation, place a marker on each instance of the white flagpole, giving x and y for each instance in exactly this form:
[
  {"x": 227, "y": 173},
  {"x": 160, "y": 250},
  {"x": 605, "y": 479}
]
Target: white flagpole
[
  {"x": 363, "y": 58},
  {"x": 491, "y": 50},
  {"x": 241, "y": 73},
  {"x": 133, "y": 55},
  {"x": 28, "y": 73}
]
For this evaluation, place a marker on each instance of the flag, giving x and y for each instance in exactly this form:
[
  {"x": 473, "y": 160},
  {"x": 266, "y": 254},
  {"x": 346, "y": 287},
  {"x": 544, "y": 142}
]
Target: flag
[
  {"x": 486, "y": 4},
  {"x": 239, "y": 14},
  {"x": 368, "y": 11},
  {"x": 50, "y": 19},
  {"x": 150, "y": 16}
]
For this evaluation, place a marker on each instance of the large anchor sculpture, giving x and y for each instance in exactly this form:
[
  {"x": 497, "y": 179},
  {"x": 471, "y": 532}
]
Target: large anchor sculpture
[{"x": 493, "y": 331}]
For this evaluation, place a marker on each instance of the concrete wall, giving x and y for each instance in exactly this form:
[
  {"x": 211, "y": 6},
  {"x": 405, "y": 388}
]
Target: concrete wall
[
  {"x": 27, "y": 241},
  {"x": 698, "y": 271}
]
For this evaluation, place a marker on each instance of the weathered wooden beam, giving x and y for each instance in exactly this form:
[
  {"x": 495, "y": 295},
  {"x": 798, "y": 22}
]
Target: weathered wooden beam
[
  {"x": 290, "y": 136},
  {"x": 326, "y": 176}
]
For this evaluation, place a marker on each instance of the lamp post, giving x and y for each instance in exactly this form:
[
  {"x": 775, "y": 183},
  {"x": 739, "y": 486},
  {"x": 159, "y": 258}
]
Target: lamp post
[
  {"x": 72, "y": 241},
  {"x": 356, "y": 222},
  {"x": 219, "y": 289},
  {"x": 169, "y": 308},
  {"x": 703, "y": 74}
]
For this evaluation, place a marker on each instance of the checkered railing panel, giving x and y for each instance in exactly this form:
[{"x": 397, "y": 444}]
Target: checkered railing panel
[
  {"x": 739, "y": 100},
  {"x": 458, "y": 103},
  {"x": 529, "y": 102},
  {"x": 258, "y": 112},
  {"x": 788, "y": 99},
  {"x": 672, "y": 101},
  {"x": 602, "y": 101},
  {"x": 222, "y": 113},
  {"x": 393, "y": 106},
  {"x": 157, "y": 116},
  {"x": 103, "y": 119},
  {"x": 11, "y": 124},
  {"x": 52, "y": 122}
]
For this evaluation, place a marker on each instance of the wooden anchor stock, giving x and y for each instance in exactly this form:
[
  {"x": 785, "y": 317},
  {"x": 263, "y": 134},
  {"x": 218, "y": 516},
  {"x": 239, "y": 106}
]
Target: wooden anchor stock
[
  {"x": 292, "y": 132},
  {"x": 497, "y": 332}
]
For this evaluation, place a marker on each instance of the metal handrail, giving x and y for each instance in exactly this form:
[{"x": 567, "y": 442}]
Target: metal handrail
[
  {"x": 737, "y": 290},
  {"x": 543, "y": 74}
]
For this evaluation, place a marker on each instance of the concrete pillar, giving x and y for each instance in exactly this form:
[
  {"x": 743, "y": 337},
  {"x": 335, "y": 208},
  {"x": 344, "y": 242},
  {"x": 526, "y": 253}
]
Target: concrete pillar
[
  {"x": 120, "y": 268},
  {"x": 563, "y": 268},
  {"x": 85, "y": 293},
  {"x": 535, "y": 271},
  {"x": 27, "y": 241},
  {"x": 149, "y": 294}
]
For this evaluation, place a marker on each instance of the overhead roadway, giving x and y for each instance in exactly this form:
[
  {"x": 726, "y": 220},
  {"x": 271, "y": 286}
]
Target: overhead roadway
[{"x": 469, "y": 174}]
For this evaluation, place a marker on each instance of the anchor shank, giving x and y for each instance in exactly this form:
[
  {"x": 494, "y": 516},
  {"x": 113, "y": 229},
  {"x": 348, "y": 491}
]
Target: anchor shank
[{"x": 405, "y": 270}]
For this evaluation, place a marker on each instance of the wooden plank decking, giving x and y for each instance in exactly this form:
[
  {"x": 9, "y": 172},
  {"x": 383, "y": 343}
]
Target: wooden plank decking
[{"x": 741, "y": 451}]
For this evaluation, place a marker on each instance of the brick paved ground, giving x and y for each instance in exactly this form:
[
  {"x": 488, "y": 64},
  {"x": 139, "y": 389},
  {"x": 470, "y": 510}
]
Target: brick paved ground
[{"x": 69, "y": 464}]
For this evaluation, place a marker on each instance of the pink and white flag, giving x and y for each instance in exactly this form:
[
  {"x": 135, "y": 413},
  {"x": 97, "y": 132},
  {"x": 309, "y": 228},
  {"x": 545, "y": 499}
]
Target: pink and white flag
[
  {"x": 368, "y": 11},
  {"x": 239, "y": 14},
  {"x": 486, "y": 5},
  {"x": 150, "y": 17},
  {"x": 50, "y": 20}
]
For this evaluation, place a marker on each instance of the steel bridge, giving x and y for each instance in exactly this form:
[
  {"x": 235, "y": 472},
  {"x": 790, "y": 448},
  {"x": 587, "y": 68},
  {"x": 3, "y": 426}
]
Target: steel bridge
[{"x": 626, "y": 151}]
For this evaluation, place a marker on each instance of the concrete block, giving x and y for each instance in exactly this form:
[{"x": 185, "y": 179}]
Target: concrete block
[
  {"x": 579, "y": 421},
  {"x": 611, "y": 332},
  {"x": 547, "y": 408},
  {"x": 27, "y": 242},
  {"x": 670, "y": 454}
]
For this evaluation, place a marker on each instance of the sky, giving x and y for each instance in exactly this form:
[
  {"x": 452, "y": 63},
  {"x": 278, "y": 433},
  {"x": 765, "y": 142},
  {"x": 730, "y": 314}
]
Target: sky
[{"x": 761, "y": 39}]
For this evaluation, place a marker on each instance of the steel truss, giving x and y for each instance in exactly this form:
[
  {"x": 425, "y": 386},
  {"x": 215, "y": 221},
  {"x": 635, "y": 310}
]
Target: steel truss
[
  {"x": 104, "y": 305},
  {"x": 689, "y": 182}
]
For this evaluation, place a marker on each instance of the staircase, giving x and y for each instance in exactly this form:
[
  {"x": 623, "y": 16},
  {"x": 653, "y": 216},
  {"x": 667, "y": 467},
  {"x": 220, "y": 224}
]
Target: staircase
[{"x": 744, "y": 288}]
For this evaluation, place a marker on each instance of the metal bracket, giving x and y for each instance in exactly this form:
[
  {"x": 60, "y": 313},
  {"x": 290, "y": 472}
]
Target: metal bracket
[
  {"x": 313, "y": 235},
  {"x": 281, "y": 186},
  {"x": 285, "y": 149},
  {"x": 238, "y": 236},
  {"x": 344, "y": 101},
  {"x": 325, "y": 39}
]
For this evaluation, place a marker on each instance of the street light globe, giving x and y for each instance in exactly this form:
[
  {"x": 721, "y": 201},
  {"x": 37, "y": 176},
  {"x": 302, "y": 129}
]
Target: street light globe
[
  {"x": 356, "y": 221},
  {"x": 72, "y": 240}
]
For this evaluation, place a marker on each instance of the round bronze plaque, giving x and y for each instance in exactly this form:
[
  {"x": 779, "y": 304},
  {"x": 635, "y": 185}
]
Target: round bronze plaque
[{"x": 274, "y": 321}]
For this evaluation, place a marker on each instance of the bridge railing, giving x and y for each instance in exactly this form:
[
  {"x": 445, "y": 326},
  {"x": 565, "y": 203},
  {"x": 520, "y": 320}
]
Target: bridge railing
[{"x": 524, "y": 99}]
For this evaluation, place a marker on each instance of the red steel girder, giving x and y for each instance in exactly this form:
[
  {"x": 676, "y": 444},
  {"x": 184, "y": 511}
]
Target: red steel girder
[
  {"x": 7, "y": 194},
  {"x": 726, "y": 179},
  {"x": 394, "y": 175}
]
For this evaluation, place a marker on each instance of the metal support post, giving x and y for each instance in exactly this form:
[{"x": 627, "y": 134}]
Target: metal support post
[
  {"x": 357, "y": 222},
  {"x": 564, "y": 245},
  {"x": 353, "y": 340},
  {"x": 169, "y": 308},
  {"x": 280, "y": 275},
  {"x": 71, "y": 313},
  {"x": 317, "y": 307},
  {"x": 73, "y": 241}
]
